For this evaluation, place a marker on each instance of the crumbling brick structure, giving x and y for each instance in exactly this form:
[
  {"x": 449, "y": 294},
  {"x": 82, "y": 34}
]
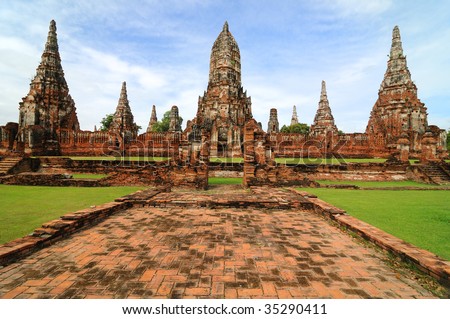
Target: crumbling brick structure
[
  {"x": 398, "y": 114},
  {"x": 224, "y": 108},
  {"x": 48, "y": 123},
  {"x": 48, "y": 105},
  {"x": 397, "y": 125}
]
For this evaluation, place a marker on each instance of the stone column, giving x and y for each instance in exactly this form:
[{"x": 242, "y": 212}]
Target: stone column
[
  {"x": 249, "y": 152},
  {"x": 429, "y": 144},
  {"x": 403, "y": 147}
]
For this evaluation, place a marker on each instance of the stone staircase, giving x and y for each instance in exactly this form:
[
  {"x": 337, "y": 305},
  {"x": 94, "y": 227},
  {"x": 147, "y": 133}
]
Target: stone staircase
[
  {"x": 8, "y": 163},
  {"x": 436, "y": 173}
]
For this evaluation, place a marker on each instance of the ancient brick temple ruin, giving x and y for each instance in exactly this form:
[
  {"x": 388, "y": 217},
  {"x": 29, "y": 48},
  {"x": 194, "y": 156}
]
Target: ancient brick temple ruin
[
  {"x": 48, "y": 123},
  {"x": 122, "y": 124},
  {"x": 224, "y": 108},
  {"x": 48, "y": 106},
  {"x": 398, "y": 113}
]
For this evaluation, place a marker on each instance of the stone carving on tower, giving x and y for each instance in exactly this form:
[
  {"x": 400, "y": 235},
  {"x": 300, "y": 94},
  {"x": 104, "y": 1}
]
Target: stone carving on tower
[
  {"x": 48, "y": 106},
  {"x": 123, "y": 121},
  {"x": 224, "y": 108},
  {"x": 398, "y": 113},
  {"x": 323, "y": 121},
  {"x": 294, "y": 119},
  {"x": 273, "y": 125}
]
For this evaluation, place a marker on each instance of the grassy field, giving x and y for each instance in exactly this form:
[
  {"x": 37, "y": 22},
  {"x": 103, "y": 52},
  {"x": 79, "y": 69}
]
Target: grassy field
[
  {"x": 419, "y": 217},
  {"x": 224, "y": 180},
  {"x": 24, "y": 208},
  {"x": 369, "y": 184}
]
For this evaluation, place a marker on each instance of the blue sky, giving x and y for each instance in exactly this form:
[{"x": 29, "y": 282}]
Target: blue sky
[{"x": 162, "y": 49}]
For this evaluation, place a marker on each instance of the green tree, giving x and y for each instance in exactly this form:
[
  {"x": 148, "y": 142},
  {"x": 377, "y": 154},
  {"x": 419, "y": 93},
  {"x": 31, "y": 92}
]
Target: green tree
[
  {"x": 300, "y": 128},
  {"x": 106, "y": 122},
  {"x": 163, "y": 125},
  {"x": 138, "y": 128}
]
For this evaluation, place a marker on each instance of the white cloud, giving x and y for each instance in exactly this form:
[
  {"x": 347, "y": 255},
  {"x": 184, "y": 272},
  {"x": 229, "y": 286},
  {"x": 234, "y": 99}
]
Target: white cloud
[
  {"x": 162, "y": 51},
  {"x": 350, "y": 8}
]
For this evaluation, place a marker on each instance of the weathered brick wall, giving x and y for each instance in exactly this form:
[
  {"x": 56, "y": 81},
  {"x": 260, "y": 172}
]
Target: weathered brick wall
[
  {"x": 40, "y": 179},
  {"x": 173, "y": 175},
  {"x": 280, "y": 176},
  {"x": 362, "y": 171},
  {"x": 259, "y": 165},
  {"x": 55, "y": 230}
]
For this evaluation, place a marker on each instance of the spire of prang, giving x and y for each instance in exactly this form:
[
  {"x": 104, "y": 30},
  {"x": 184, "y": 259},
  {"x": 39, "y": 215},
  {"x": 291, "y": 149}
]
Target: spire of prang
[
  {"x": 48, "y": 103},
  {"x": 225, "y": 27},
  {"x": 397, "y": 72},
  {"x": 294, "y": 119},
  {"x": 225, "y": 60},
  {"x": 273, "y": 125},
  {"x": 123, "y": 120},
  {"x": 153, "y": 120},
  {"x": 52, "y": 43},
  {"x": 324, "y": 110},
  {"x": 174, "y": 124},
  {"x": 396, "y": 47},
  {"x": 324, "y": 120},
  {"x": 398, "y": 110}
]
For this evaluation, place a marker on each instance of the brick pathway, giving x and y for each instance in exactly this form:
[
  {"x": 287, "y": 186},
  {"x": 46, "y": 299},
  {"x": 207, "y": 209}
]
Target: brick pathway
[{"x": 222, "y": 252}]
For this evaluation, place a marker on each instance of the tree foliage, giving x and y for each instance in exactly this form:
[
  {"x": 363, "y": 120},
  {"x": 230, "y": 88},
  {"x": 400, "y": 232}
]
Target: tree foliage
[
  {"x": 106, "y": 122},
  {"x": 301, "y": 128},
  {"x": 163, "y": 125}
]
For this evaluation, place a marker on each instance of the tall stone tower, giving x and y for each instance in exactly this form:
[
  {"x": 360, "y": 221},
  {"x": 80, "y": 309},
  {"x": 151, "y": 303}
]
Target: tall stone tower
[
  {"x": 123, "y": 120},
  {"x": 398, "y": 111},
  {"x": 174, "y": 124},
  {"x": 294, "y": 119},
  {"x": 273, "y": 125},
  {"x": 224, "y": 108},
  {"x": 153, "y": 120},
  {"x": 324, "y": 120},
  {"x": 48, "y": 105}
]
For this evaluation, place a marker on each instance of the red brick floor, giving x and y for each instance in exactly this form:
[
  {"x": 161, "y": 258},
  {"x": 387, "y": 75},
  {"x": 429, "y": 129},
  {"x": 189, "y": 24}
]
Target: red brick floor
[{"x": 183, "y": 252}]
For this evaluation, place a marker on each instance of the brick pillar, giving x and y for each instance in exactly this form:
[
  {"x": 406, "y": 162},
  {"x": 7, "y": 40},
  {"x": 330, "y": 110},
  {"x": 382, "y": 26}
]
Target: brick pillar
[
  {"x": 429, "y": 147},
  {"x": 403, "y": 147},
  {"x": 249, "y": 152}
]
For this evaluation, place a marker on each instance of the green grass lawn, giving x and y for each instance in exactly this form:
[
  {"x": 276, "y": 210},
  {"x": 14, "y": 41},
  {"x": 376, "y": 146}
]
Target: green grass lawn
[
  {"x": 24, "y": 208},
  {"x": 370, "y": 184},
  {"x": 419, "y": 217},
  {"x": 89, "y": 176},
  {"x": 224, "y": 180},
  {"x": 318, "y": 161}
]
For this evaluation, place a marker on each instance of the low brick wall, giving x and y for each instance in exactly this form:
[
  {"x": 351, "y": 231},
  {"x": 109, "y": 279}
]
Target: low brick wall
[
  {"x": 360, "y": 171},
  {"x": 160, "y": 175},
  {"x": 57, "y": 229},
  {"x": 47, "y": 179},
  {"x": 424, "y": 260},
  {"x": 277, "y": 176}
]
